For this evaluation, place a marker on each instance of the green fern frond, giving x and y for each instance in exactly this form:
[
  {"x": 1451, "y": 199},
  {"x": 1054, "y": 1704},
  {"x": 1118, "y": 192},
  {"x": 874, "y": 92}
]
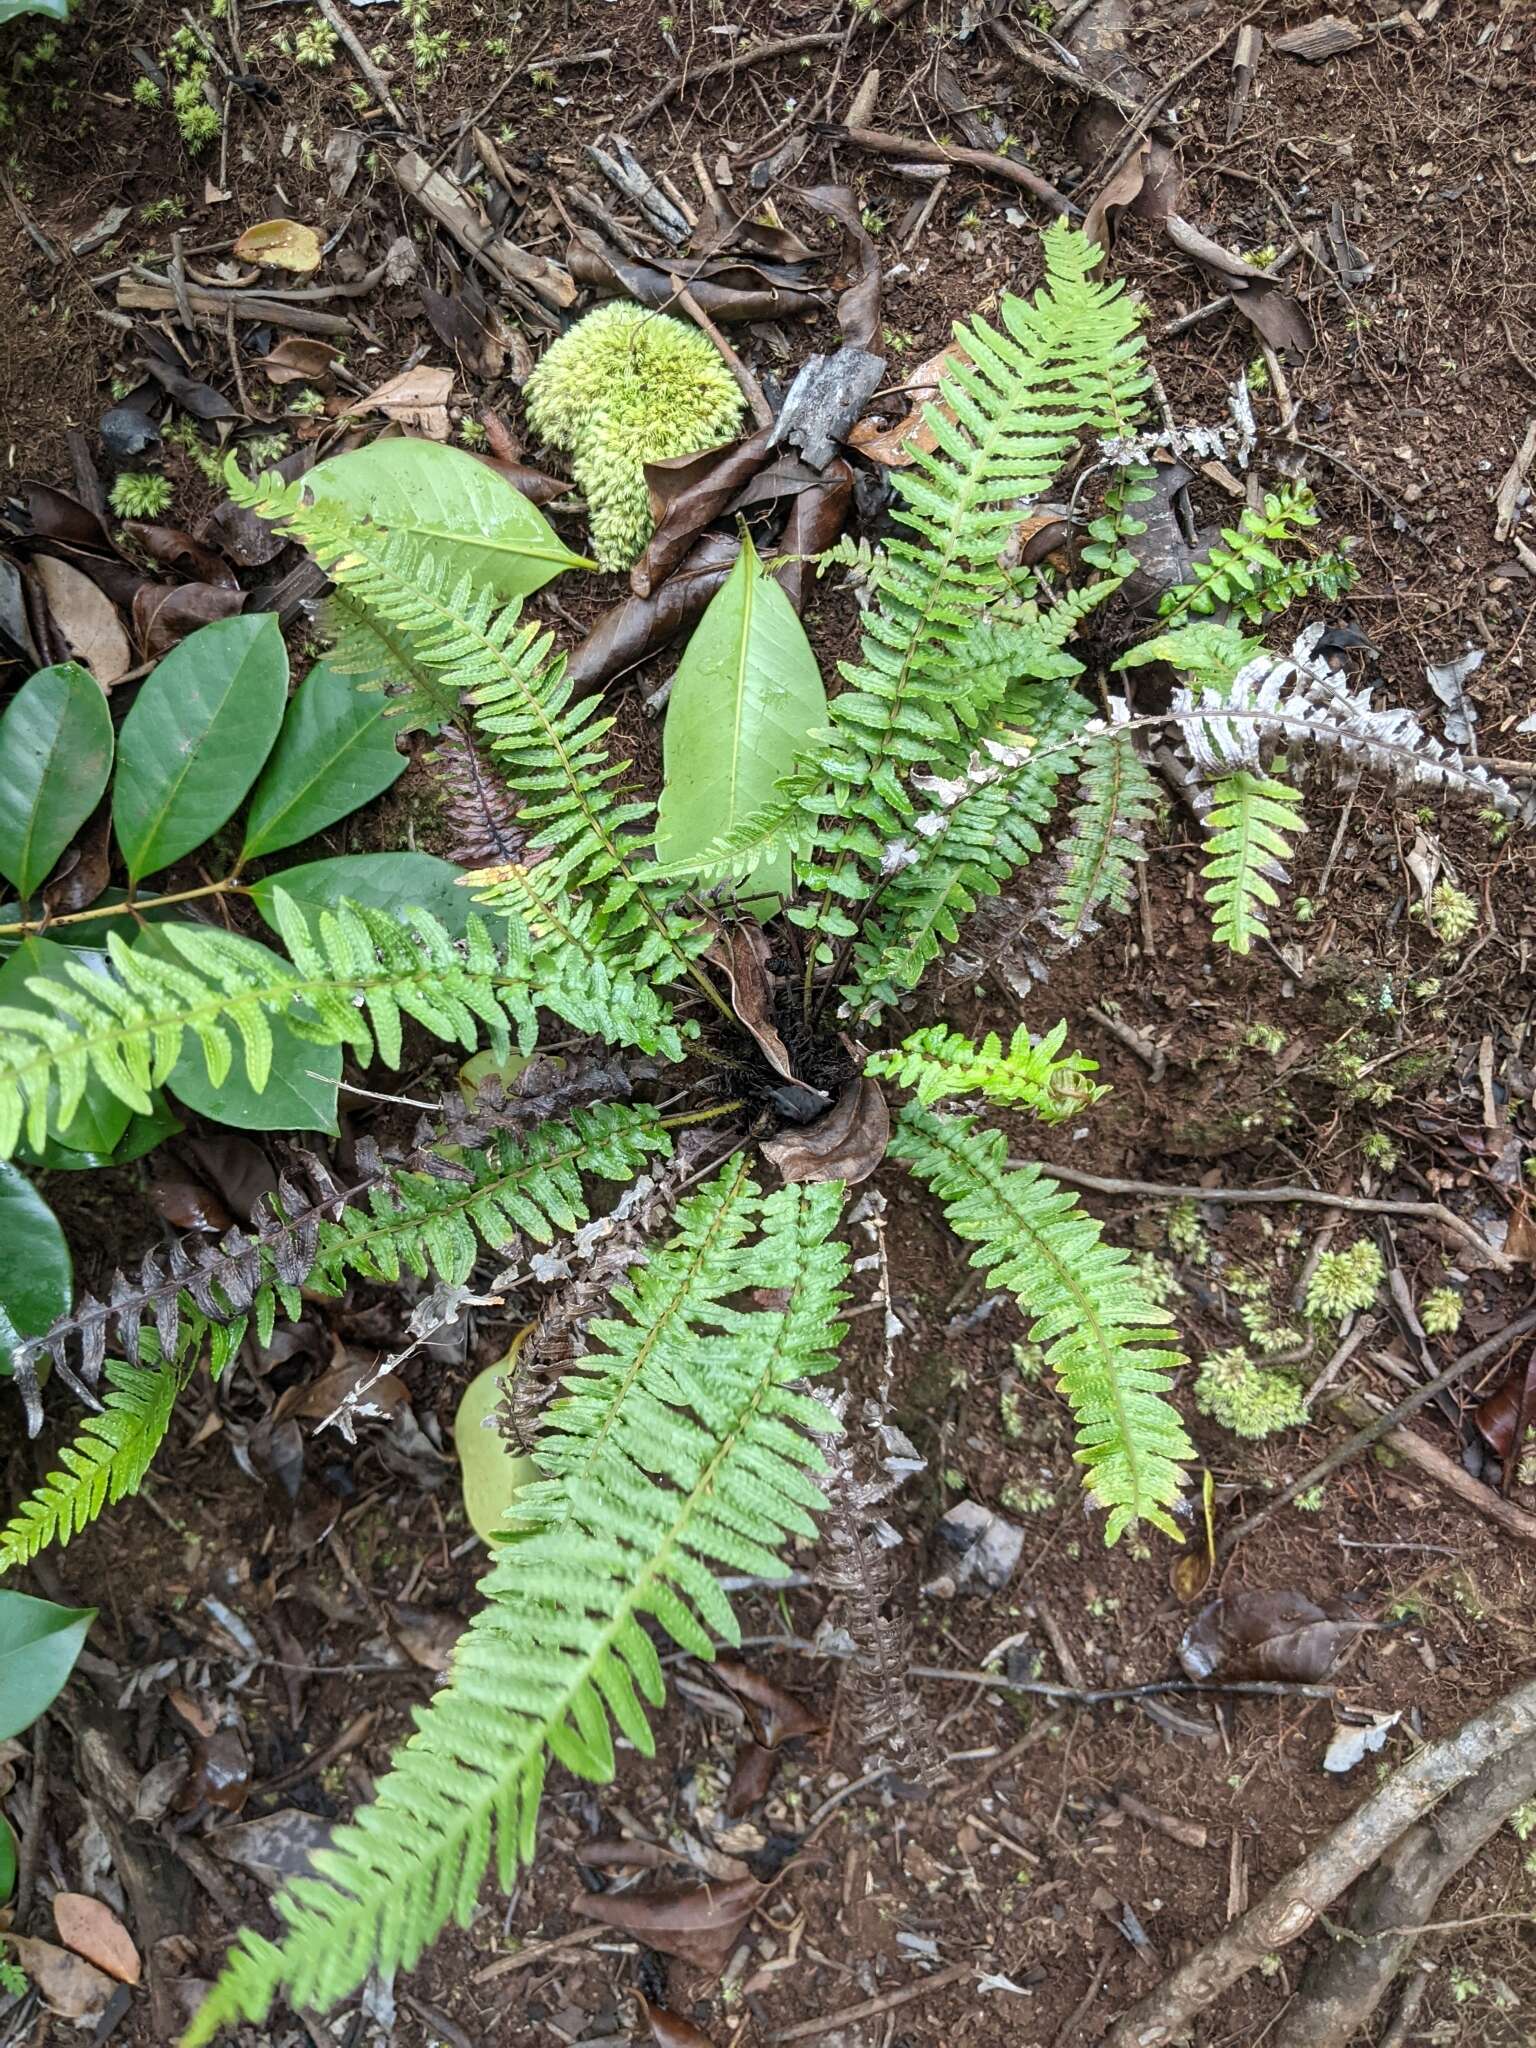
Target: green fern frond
[
  {"x": 1250, "y": 822},
  {"x": 587, "y": 966},
  {"x": 511, "y": 1188},
  {"x": 1209, "y": 651},
  {"x": 106, "y": 1462},
  {"x": 961, "y": 851},
  {"x": 1117, "y": 799},
  {"x": 355, "y": 975},
  {"x": 938, "y": 1062},
  {"x": 931, "y": 670},
  {"x": 1109, "y": 1344},
  {"x": 1242, "y": 569},
  {"x": 682, "y": 1447},
  {"x": 384, "y": 657},
  {"x": 594, "y": 836}
]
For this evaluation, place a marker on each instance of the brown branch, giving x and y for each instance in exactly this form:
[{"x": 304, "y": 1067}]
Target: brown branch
[
  {"x": 913, "y": 149},
  {"x": 1088, "y": 1696},
  {"x": 1380, "y": 1426},
  {"x": 759, "y": 53},
  {"x": 1446, "y": 1472},
  {"x": 1360, "y": 1205},
  {"x": 1346, "y": 1981},
  {"x": 1290, "y": 1907},
  {"x": 372, "y": 76},
  {"x": 749, "y": 387},
  {"x": 872, "y": 2008}
]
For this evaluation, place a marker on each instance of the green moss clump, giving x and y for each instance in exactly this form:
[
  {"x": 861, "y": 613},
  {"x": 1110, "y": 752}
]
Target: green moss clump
[
  {"x": 1244, "y": 1398},
  {"x": 135, "y": 496},
  {"x": 1346, "y": 1281},
  {"x": 623, "y": 388}
]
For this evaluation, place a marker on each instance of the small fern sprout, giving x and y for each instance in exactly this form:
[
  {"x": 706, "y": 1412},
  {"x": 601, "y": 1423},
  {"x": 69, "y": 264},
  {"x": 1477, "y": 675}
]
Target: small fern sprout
[
  {"x": 623, "y": 388},
  {"x": 1440, "y": 1312},
  {"x": 1346, "y": 1282}
]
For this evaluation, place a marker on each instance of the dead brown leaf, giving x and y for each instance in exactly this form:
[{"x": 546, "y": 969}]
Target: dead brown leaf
[
  {"x": 84, "y": 867},
  {"x": 776, "y": 1716},
  {"x": 1265, "y": 304},
  {"x": 815, "y": 520},
  {"x": 174, "y": 548},
  {"x": 1147, "y": 184},
  {"x": 1499, "y": 1418},
  {"x": 164, "y": 613},
  {"x": 280, "y": 245},
  {"x": 94, "y": 1931},
  {"x": 299, "y": 359},
  {"x": 689, "y": 492},
  {"x": 187, "y": 1205},
  {"x": 591, "y": 263},
  {"x": 60, "y": 515},
  {"x": 68, "y": 1985},
  {"x": 741, "y": 952},
  {"x": 631, "y": 631},
  {"x": 417, "y": 399},
  {"x": 751, "y": 1780},
  {"x": 87, "y": 621},
  {"x": 1267, "y": 1635},
  {"x": 846, "y": 1144},
  {"x": 898, "y": 446},
  {"x": 321, "y": 1397},
  {"x": 699, "y": 1924},
  {"x": 668, "y": 2030},
  {"x": 858, "y": 305}
]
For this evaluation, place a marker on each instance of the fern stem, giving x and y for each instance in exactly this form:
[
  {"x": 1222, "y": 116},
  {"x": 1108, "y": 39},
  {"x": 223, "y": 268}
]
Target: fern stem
[{"x": 230, "y": 886}]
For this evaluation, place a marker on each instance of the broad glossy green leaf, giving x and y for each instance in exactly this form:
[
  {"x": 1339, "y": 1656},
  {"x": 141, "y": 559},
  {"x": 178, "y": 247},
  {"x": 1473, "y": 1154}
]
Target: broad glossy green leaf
[
  {"x": 335, "y": 751},
  {"x": 12, "y": 10},
  {"x": 300, "y": 1094},
  {"x": 378, "y": 881},
  {"x": 7, "y": 1861},
  {"x": 470, "y": 517},
  {"x": 36, "y": 1277},
  {"x": 55, "y": 757},
  {"x": 143, "y": 1134},
  {"x": 746, "y": 693},
  {"x": 490, "y": 1471},
  {"x": 101, "y": 1119},
  {"x": 38, "y": 1647},
  {"x": 196, "y": 737}
]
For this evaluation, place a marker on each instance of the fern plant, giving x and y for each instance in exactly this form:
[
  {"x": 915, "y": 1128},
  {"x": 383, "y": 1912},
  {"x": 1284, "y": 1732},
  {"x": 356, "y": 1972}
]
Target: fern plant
[{"x": 683, "y": 1438}]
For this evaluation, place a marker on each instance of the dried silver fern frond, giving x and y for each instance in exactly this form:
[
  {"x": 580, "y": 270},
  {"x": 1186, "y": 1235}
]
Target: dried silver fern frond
[{"x": 1297, "y": 697}]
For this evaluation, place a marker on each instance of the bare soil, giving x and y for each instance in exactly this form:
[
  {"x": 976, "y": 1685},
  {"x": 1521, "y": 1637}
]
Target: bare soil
[{"x": 1420, "y": 145}]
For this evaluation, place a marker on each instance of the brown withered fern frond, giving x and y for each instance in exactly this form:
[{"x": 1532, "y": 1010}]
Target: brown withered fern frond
[
  {"x": 479, "y": 809},
  {"x": 190, "y": 1280}
]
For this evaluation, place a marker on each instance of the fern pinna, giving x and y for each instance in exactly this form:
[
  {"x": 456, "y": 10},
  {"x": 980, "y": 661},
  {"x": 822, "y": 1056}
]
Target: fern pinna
[{"x": 681, "y": 1440}]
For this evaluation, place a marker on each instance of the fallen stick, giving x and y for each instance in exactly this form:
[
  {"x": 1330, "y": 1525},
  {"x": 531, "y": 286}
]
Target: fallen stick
[
  {"x": 1346, "y": 1981},
  {"x": 914, "y": 149},
  {"x": 746, "y": 383},
  {"x": 1290, "y": 1907},
  {"x": 1361, "y": 1205},
  {"x": 138, "y": 296},
  {"x": 372, "y": 76},
  {"x": 514, "y": 268},
  {"x": 1446, "y": 1473},
  {"x": 1379, "y": 1426},
  {"x": 872, "y": 2008}
]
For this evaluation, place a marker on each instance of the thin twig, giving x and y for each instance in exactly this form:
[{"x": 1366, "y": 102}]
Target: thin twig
[
  {"x": 1088, "y": 1696},
  {"x": 751, "y": 390},
  {"x": 918, "y": 150},
  {"x": 1380, "y": 1425},
  {"x": 1361, "y": 1205},
  {"x": 757, "y": 53},
  {"x": 871, "y": 2008},
  {"x": 372, "y": 76}
]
